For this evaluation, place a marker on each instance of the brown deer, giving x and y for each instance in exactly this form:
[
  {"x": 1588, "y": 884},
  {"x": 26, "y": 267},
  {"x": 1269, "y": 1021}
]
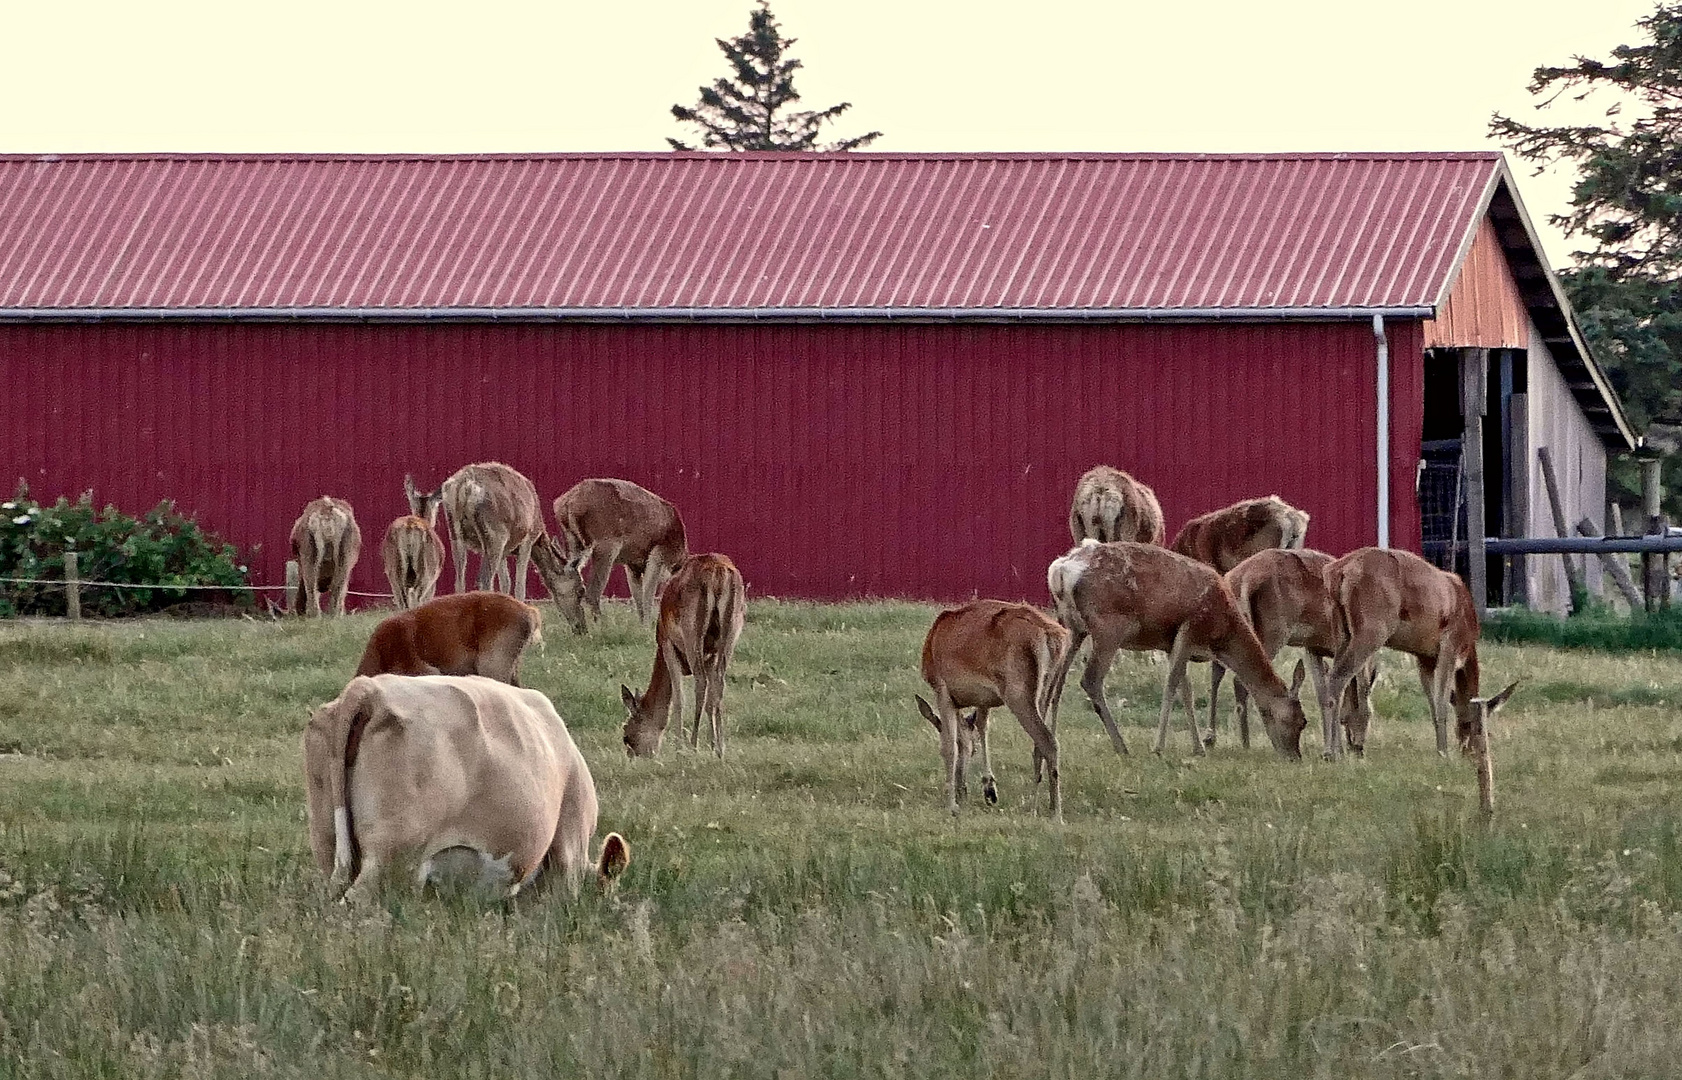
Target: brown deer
[
  {"x": 326, "y": 544},
  {"x": 1111, "y": 505},
  {"x": 1395, "y": 599},
  {"x": 1224, "y": 538},
  {"x": 492, "y": 510},
  {"x": 1283, "y": 596},
  {"x": 610, "y": 522},
  {"x": 476, "y": 633},
  {"x": 1141, "y": 597},
  {"x": 701, "y": 616},
  {"x": 980, "y": 656},
  {"x": 411, "y": 551}
]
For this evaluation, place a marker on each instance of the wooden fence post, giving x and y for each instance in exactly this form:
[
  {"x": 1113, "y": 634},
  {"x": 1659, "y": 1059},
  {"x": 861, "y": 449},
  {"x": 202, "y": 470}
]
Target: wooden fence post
[
  {"x": 72, "y": 586},
  {"x": 1518, "y": 414},
  {"x": 1653, "y": 582},
  {"x": 1474, "y": 399},
  {"x": 293, "y": 579},
  {"x": 1617, "y": 570},
  {"x": 1573, "y": 570}
]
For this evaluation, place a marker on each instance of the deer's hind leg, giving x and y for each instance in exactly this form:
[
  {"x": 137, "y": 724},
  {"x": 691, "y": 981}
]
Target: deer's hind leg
[
  {"x": 1044, "y": 737},
  {"x": 1098, "y": 666},
  {"x": 604, "y": 554},
  {"x": 522, "y": 561}
]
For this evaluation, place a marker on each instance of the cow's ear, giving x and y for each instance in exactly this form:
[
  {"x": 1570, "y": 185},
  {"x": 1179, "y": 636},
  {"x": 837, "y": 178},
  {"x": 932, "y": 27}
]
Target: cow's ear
[
  {"x": 928, "y": 712},
  {"x": 616, "y": 855},
  {"x": 628, "y": 696}
]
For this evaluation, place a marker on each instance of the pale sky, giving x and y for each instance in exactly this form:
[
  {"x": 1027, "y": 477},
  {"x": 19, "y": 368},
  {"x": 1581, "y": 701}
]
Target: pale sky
[{"x": 510, "y": 75}]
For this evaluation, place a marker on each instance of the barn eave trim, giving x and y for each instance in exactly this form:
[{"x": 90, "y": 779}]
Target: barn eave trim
[{"x": 692, "y": 314}]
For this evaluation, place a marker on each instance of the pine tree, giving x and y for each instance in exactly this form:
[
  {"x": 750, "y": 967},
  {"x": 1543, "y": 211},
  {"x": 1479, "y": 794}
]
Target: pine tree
[
  {"x": 747, "y": 112},
  {"x": 1627, "y": 205}
]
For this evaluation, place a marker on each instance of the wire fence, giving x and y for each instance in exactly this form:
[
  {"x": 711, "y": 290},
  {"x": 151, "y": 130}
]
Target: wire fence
[{"x": 80, "y": 583}]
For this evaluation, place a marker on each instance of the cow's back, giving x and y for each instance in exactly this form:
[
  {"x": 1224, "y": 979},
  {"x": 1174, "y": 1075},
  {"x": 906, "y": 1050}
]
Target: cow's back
[{"x": 461, "y": 761}]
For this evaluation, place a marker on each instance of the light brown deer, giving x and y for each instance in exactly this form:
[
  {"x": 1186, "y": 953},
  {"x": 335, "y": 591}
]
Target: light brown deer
[
  {"x": 610, "y": 522},
  {"x": 492, "y": 510},
  {"x": 326, "y": 544},
  {"x": 1395, "y": 599},
  {"x": 411, "y": 551},
  {"x": 1111, "y": 505},
  {"x": 1142, "y": 597},
  {"x": 701, "y": 616},
  {"x": 1283, "y": 596},
  {"x": 1226, "y": 537},
  {"x": 980, "y": 656},
  {"x": 476, "y": 633}
]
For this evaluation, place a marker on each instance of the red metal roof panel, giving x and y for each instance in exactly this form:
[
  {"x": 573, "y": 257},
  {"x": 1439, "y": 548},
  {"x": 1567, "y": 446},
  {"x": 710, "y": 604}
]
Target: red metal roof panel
[{"x": 740, "y": 232}]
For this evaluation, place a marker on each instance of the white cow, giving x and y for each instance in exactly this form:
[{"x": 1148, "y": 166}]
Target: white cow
[{"x": 458, "y": 772}]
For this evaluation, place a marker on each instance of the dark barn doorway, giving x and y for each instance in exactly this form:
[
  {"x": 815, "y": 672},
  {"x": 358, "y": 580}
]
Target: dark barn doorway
[{"x": 1443, "y": 490}]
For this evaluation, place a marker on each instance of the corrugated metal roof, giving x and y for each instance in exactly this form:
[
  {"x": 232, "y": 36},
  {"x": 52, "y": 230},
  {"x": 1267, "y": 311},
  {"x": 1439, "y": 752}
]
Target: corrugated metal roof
[{"x": 744, "y": 234}]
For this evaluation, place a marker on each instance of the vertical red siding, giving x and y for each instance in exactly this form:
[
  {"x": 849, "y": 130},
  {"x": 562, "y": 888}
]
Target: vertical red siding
[{"x": 830, "y": 461}]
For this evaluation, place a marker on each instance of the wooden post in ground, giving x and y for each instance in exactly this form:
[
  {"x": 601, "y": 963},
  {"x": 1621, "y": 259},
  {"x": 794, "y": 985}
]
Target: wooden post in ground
[
  {"x": 1474, "y": 399},
  {"x": 294, "y": 578},
  {"x": 1573, "y": 569},
  {"x": 1617, "y": 570},
  {"x": 72, "y": 585},
  {"x": 1518, "y": 518},
  {"x": 1653, "y": 583}
]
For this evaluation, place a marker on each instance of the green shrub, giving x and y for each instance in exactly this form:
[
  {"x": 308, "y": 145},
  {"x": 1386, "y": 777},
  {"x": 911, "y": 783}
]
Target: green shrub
[{"x": 160, "y": 549}]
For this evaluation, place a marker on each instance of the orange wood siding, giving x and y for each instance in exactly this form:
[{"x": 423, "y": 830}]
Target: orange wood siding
[{"x": 1484, "y": 309}]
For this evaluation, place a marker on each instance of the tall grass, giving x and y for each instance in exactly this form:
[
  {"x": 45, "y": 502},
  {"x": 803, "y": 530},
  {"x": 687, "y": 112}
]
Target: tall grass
[
  {"x": 1599, "y": 630},
  {"x": 807, "y": 908}
]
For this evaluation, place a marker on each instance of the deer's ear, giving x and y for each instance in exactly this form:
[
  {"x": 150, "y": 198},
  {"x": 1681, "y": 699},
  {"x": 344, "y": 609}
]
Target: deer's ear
[
  {"x": 628, "y": 697},
  {"x": 928, "y": 712},
  {"x": 408, "y": 485},
  {"x": 1500, "y": 699},
  {"x": 1296, "y": 679}
]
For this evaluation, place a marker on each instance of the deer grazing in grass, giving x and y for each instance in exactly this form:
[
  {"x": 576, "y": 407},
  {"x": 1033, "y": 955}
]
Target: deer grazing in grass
[
  {"x": 1226, "y": 537},
  {"x": 411, "y": 551},
  {"x": 1143, "y": 597},
  {"x": 1283, "y": 596},
  {"x": 609, "y": 522},
  {"x": 476, "y": 633},
  {"x": 980, "y": 656},
  {"x": 326, "y": 544},
  {"x": 1395, "y": 599},
  {"x": 701, "y": 616},
  {"x": 492, "y": 510},
  {"x": 1111, "y": 505}
]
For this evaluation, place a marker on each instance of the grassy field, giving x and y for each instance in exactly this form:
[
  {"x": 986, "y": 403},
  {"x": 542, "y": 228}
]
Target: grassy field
[{"x": 808, "y": 908}]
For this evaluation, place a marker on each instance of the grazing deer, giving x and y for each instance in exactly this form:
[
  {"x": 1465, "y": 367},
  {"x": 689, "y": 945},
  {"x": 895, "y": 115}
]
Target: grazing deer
[
  {"x": 701, "y": 616},
  {"x": 610, "y": 522},
  {"x": 326, "y": 544},
  {"x": 1142, "y": 597},
  {"x": 980, "y": 656},
  {"x": 476, "y": 633},
  {"x": 1395, "y": 599},
  {"x": 1111, "y": 505},
  {"x": 493, "y": 510},
  {"x": 1283, "y": 596},
  {"x": 1224, "y": 538},
  {"x": 411, "y": 551}
]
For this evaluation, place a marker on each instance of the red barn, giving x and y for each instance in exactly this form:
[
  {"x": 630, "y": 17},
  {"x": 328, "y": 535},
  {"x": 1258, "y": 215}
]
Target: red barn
[{"x": 858, "y": 374}]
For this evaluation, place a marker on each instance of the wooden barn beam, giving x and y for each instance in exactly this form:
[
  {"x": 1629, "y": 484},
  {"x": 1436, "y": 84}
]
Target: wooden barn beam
[{"x": 1474, "y": 399}]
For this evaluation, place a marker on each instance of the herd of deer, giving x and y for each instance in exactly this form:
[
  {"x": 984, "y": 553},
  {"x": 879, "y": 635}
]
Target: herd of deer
[
  {"x": 1234, "y": 587},
  {"x": 493, "y": 511}
]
